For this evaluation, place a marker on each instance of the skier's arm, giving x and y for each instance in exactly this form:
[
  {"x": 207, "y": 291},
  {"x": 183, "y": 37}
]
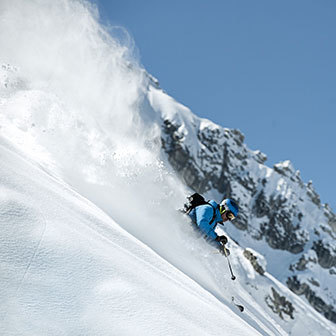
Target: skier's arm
[
  {"x": 203, "y": 223},
  {"x": 212, "y": 234}
]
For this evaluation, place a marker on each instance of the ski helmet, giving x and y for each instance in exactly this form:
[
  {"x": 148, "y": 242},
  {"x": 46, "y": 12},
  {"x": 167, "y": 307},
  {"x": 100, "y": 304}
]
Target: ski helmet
[{"x": 229, "y": 205}]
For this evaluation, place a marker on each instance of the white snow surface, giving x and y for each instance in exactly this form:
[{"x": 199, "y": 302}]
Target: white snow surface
[{"x": 91, "y": 242}]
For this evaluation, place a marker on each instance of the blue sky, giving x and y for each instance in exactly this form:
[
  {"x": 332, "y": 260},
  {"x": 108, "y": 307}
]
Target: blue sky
[{"x": 265, "y": 67}]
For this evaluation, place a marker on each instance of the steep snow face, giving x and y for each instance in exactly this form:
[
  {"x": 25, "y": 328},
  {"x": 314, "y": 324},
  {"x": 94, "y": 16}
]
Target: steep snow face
[
  {"x": 92, "y": 241},
  {"x": 68, "y": 268}
]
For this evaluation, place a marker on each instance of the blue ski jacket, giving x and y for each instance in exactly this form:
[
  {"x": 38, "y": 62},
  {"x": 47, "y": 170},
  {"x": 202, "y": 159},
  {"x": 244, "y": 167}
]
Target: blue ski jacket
[{"x": 202, "y": 216}]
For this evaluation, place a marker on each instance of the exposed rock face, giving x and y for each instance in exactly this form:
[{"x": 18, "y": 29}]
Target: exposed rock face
[
  {"x": 254, "y": 261},
  {"x": 331, "y": 217},
  {"x": 276, "y": 206},
  {"x": 326, "y": 254},
  {"x": 313, "y": 194},
  {"x": 320, "y": 305},
  {"x": 179, "y": 156},
  {"x": 302, "y": 263},
  {"x": 279, "y": 304},
  {"x": 278, "y": 230}
]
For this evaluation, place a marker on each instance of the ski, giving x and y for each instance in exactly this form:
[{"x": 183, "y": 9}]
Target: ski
[{"x": 240, "y": 307}]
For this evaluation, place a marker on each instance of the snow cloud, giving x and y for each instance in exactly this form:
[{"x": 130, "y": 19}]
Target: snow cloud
[{"x": 76, "y": 103}]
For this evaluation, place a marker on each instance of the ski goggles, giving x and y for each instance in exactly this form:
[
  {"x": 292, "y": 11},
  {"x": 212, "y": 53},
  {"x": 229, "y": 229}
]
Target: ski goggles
[{"x": 229, "y": 214}]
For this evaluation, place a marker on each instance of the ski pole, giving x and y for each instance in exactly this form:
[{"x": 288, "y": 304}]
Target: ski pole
[{"x": 227, "y": 257}]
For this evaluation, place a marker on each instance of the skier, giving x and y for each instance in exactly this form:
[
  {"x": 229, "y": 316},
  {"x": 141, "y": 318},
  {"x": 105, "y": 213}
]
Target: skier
[{"x": 207, "y": 215}]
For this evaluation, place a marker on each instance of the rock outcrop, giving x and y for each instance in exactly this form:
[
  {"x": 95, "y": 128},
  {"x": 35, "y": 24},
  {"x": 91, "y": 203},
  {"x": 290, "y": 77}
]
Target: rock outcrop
[
  {"x": 279, "y": 304},
  {"x": 276, "y": 207},
  {"x": 255, "y": 261}
]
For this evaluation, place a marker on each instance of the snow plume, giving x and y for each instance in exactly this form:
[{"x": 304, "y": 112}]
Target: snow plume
[{"x": 73, "y": 104}]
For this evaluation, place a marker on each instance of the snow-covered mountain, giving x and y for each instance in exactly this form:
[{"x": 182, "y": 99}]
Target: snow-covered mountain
[
  {"x": 95, "y": 160},
  {"x": 282, "y": 217}
]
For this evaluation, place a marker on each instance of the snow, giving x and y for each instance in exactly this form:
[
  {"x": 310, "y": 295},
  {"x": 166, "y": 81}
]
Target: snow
[
  {"x": 91, "y": 242},
  {"x": 69, "y": 268}
]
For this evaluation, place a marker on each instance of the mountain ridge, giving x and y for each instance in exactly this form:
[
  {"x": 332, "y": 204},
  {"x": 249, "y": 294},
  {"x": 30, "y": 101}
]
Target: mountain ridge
[{"x": 215, "y": 161}]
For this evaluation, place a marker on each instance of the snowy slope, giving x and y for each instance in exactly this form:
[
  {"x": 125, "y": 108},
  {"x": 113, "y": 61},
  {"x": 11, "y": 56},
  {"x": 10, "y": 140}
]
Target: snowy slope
[
  {"x": 281, "y": 217},
  {"x": 91, "y": 242},
  {"x": 68, "y": 268},
  {"x": 215, "y": 161}
]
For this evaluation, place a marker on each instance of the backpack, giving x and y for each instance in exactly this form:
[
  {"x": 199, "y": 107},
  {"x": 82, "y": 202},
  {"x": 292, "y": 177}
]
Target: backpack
[{"x": 194, "y": 201}]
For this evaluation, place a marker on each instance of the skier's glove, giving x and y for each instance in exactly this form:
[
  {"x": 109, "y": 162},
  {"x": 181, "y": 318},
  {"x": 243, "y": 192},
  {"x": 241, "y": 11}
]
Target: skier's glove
[
  {"x": 222, "y": 239},
  {"x": 225, "y": 252}
]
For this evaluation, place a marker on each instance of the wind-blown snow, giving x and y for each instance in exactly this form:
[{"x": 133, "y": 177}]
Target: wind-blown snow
[{"x": 91, "y": 242}]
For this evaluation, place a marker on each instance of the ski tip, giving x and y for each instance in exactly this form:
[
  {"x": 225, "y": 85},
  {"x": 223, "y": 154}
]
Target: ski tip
[{"x": 240, "y": 307}]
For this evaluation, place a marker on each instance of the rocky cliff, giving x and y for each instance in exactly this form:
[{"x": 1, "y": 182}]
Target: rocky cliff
[{"x": 281, "y": 216}]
